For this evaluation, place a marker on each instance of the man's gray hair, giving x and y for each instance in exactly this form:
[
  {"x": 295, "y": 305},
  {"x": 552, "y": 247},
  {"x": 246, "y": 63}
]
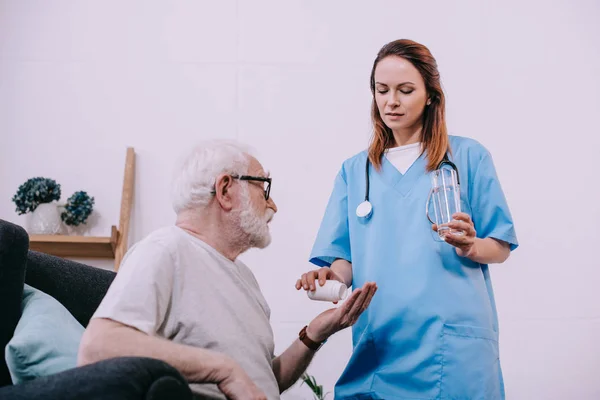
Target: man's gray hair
[{"x": 194, "y": 179}]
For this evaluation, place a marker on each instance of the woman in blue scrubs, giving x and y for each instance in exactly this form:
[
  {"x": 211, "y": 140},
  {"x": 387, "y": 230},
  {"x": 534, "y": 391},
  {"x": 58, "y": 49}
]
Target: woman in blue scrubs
[{"x": 431, "y": 332}]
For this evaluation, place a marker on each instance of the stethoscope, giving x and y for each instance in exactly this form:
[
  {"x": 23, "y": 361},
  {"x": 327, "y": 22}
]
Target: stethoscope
[{"x": 365, "y": 209}]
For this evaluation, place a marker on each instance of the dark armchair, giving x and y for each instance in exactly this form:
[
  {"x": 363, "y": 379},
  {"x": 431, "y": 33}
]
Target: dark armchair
[{"x": 79, "y": 288}]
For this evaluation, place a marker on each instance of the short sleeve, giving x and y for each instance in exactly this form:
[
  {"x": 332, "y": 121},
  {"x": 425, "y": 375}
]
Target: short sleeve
[
  {"x": 333, "y": 239},
  {"x": 140, "y": 295},
  {"x": 491, "y": 215}
]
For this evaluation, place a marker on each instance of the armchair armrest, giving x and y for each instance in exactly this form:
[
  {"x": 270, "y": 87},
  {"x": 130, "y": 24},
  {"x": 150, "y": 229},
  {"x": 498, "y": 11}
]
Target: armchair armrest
[{"x": 122, "y": 378}]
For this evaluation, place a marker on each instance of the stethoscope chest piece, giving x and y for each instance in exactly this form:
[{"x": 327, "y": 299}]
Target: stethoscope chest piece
[{"x": 364, "y": 209}]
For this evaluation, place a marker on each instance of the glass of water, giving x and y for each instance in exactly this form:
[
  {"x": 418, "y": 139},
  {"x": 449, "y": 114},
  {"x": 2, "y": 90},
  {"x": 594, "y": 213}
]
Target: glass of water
[{"x": 445, "y": 195}]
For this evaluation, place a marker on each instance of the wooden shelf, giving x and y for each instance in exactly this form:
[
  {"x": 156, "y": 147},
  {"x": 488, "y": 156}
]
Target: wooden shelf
[
  {"x": 76, "y": 246},
  {"x": 113, "y": 247}
]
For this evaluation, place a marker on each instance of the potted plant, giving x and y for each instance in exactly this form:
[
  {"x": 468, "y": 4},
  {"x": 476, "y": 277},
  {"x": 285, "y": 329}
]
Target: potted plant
[
  {"x": 77, "y": 210},
  {"x": 317, "y": 390},
  {"x": 38, "y": 196}
]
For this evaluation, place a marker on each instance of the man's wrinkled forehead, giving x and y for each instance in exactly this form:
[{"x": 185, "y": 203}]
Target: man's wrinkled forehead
[{"x": 255, "y": 168}]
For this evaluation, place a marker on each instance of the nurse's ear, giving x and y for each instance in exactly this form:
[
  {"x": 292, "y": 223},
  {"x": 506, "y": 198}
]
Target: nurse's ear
[
  {"x": 224, "y": 192},
  {"x": 429, "y": 101}
]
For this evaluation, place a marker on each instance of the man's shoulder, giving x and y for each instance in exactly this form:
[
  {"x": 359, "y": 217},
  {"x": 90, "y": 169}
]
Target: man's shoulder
[
  {"x": 159, "y": 244},
  {"x": 165, "y": 237}
]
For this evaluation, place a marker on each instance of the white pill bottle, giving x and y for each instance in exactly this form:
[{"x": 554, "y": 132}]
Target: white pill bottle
[{"x": 331, "y": 291}]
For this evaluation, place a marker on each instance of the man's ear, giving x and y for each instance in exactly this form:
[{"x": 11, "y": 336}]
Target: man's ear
[{"x": 223, "y": 185}]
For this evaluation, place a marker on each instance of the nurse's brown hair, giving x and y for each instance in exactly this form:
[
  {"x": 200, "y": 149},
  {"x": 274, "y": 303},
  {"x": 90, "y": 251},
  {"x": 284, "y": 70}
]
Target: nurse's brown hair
[{"x": 434, "y": 134}]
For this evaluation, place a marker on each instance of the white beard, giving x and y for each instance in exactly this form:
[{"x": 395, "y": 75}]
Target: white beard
[{"x": 254, "y": 227}]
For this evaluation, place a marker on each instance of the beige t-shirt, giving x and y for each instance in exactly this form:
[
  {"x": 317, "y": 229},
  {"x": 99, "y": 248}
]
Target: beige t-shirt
[{"x": 174, "y": 286}]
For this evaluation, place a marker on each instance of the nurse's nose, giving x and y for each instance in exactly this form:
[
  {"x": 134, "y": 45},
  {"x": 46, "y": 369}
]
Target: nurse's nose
[{"x": 394, "y": 99}]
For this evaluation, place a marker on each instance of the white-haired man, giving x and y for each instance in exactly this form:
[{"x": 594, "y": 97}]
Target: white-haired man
[{"x": 182, "y": 296}]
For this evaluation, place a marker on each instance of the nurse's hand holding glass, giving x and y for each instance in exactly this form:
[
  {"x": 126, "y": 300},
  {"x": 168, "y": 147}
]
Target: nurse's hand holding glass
[
  {"x": 462, "y": 236},
  {"x": 432, "y": 329}
]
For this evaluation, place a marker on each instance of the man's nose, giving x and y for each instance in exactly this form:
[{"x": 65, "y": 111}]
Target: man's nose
[{"x": 271, "y": 204}]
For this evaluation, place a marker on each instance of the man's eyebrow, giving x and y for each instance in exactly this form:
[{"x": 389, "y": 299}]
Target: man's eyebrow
[{"x": 261, "y": 174}]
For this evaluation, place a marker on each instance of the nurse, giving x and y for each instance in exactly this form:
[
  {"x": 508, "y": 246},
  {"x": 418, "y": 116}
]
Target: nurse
[{"x": 432, "y": 330}]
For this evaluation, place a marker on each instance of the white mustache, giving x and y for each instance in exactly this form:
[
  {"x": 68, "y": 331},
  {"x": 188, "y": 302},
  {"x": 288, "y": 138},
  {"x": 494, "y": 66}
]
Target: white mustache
[{"x": 269, "y": 215}]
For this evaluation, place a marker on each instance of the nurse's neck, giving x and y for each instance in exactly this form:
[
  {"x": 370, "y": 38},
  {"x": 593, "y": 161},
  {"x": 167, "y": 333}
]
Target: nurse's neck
[{"x": 407, "y": 136}]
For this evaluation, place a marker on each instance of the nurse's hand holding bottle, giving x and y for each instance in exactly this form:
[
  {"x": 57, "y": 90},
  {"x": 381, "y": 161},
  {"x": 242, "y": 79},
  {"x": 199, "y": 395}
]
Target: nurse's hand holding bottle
[{"x": 340, "y": 270}]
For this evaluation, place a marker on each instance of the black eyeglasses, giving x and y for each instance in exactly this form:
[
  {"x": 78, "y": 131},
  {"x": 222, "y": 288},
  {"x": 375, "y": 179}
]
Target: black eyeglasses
[{"x": 266, "y": 182}]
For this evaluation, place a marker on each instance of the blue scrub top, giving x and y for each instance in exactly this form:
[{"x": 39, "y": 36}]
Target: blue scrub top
[{"x": 431, "y": 331}]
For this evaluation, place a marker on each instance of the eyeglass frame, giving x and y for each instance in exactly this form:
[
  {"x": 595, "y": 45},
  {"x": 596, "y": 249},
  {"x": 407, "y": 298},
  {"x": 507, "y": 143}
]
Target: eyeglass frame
[{"x": 267, "y": 191}]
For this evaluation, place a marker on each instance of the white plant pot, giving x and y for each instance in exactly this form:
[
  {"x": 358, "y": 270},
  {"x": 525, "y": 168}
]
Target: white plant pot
[{"x": 45, "y": 220}]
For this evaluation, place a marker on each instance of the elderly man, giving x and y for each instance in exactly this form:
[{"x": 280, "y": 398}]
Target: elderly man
[{"x": 182, "y": 295}]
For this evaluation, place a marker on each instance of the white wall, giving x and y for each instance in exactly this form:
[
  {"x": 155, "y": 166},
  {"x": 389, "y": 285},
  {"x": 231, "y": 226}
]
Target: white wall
[{"x": 81, "y": 80}]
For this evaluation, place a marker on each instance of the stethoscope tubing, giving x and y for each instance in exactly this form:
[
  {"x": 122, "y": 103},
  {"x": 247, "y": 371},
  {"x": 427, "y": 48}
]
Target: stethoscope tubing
[{"x": 365, "y": 209}]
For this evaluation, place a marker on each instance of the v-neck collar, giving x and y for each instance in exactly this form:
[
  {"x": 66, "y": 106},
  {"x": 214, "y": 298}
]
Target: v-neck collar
[{"x": 403, "y": 183}]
